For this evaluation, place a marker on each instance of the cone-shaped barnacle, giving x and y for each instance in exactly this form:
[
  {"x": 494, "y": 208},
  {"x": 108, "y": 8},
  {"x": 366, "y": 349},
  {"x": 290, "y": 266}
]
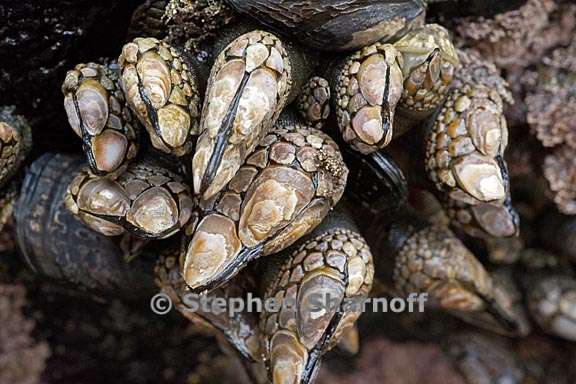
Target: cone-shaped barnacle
[
  {"x": 146, "y": 200},
  {"x": 313, "y": 102},
  {"x": 319, "y": 286},
  {"x": 429, "y": 62},
  {"x": 552, "y": 303},
  {"x": 98, "y": 113},
  {"x": 464, "y": 158},
  {"x": 238, "y": 327},
  {"x": 367, "y": 86},
  {"x": 54, "y": 243},
  {"x": 161, "y": 88},
  {"x": 15, "y": 143},
  {"x": 283, "y": 191},
  {"x": 251, "y": 82},
  {"x": 336, "y": 24},
  {"x": 419, "y": 257}
]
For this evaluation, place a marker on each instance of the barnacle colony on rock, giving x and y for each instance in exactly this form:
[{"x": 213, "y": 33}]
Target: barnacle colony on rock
[{"x": 259, "y": 146}]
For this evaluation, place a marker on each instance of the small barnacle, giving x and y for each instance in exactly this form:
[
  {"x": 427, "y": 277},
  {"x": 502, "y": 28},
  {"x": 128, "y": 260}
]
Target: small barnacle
[
  {"x": 146, "y": 200},
  {"x": 333, "y": 264},
  {"x": 98, "y": 113},
  {"x": 429, "y": 63},
  {"x": 278, "y": 195},
  {"x": 313, "y": 103},
  {"x": 560, "y": 171},
  {"x": 161, "y": 88},
  {"x": 551, "y": 301},
  {"x": 366, "y": 88},
  {"x": 15, "y": 143}
]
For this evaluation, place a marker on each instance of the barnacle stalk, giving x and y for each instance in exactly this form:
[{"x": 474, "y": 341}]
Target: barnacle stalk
[
  {"x": 251, "y": 82},
  {"x": 336, "y": 24},
  {"x": 313, "y": 103},
  {"x": 317, "y": 283},
  {"x": 280, "y": 193},
  {"x": 418, "y": 257},
  {"x": 55, "y": 244},
  {"x": 161, "y": 88},
  {"x": 367, "y": 86},
  {"x": 15, "y": 143},
  {"x": 98, "y": 113},
  {"x": 551, "y": 301},
  {"x": 146, "y": 200},
  {"x": 429, "y": 63},
  {"x": 240, "y": 329}
]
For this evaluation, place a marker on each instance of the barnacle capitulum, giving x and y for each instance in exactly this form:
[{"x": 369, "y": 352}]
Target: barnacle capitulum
[
  {"x": 98, "y": 113},
  {"x": 367, "y": 86},
  {"x": 313, "y": 102},
  {"x": 419, "y": 257},
  {"x": 54, "y": 243},
  {"x": 281, "y": 192},
  {"x": 239, "y": 328},
  {"x": 251, "y": 82},
  {"x": 15, "y": 143},
  {"x": 464, "y": 158},
  {"x": 429, "y": 63},
  {"x": 146, "y": 200},
  {"x": 319, "y": 285},
  {"x": 336, "y": 24},
  {"x": 552, "y": 303},
  {"x": 161, "y": 88}
]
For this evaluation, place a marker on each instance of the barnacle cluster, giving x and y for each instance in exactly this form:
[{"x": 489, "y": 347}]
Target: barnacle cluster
[{"x": 287, "y": 149}]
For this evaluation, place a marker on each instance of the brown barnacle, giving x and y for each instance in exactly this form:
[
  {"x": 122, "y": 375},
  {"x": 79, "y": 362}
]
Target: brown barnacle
[
  {"x": 419, "y": 257},
  {"x": 239, "y": 328},
  {"x": 484, "y": 358},
  {"x": 97, "y": 112},
  {"x": 281, "y": 192},
  {"x": 552, "y": 303},
  {"x": 367, "y": 86},
  {"x": 15, "y": 143},
  {"x": 146, "y": 200},
  {"x": 464, "y": 158},
  {"x": 319, "y": 286},
  {"x": 251, "y": 82},
  {"x": 313, "y": 103},
  {"x": 161, "y": 88},
  {"x": 429, "y": 63},
  {"x": 147, "y": 20}
]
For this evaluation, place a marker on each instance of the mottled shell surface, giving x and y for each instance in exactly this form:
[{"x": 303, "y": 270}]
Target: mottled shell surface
[
  {"x": 464, "y": 158},
  {"x": 336, "y": 24},
  {"x": 335, "y": 265},
  {"x": 248, "y": 87},
  {"x": 240, "y": 329},
  {"x": 282, "y": 192},
  {"x": 367, "y": 88},
  {"x": 313, "y": 102},
  {"x": 98, "y": 113},
  {"x": 146, "y": 200},
  {"x": 161, "y": 88},
  {"x": 429, "y": 62},
  {"x": 54, "y": 243},
  {"x": 15, "y": 143}
]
